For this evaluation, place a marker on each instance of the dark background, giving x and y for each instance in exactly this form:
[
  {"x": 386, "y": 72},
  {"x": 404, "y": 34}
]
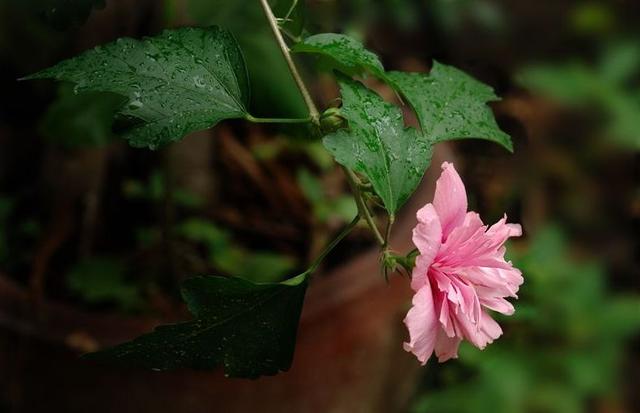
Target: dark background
[{"x": 95, "y": 236}]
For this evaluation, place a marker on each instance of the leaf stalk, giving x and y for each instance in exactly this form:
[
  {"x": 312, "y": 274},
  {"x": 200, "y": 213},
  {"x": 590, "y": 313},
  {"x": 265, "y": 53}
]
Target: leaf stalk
[{"x": 275, "y": 28}]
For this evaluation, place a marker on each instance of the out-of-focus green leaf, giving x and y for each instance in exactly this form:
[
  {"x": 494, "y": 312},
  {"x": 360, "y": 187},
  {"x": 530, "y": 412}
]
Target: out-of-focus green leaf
[
  {"x": 154, "y": 190},
  {"x": 450, "y": 104},
  {"x": 179, "y": 82},
  {"x": 228, "y": 257},
  {"x": 377, "y": 145},
  {"x": 79, "y": 120},
  {"x": 62, "y": 14},
  {"x": 249, "y": 329},
  {"x": 609, "y": 86},
  {"x": 325, "y": 208},
  {"x": 347, "y": 54},
  {"x": 103, "y": 281},
  {"x": 264, "y": 266}
]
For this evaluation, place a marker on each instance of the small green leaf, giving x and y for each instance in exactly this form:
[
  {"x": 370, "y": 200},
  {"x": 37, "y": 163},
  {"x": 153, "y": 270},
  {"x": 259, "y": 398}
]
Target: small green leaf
[
  {"x": 250, "y": 329},
  {"x": 179, "y": 82},
  {"x": 348, "y": 55},
  {"x": 450, "y": 104},
  {"x": 378, "y": 146}
]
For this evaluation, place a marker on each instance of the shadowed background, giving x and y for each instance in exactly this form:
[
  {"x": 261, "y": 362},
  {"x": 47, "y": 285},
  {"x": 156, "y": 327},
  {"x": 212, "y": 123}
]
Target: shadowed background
[{"x": 95, "y": 236}]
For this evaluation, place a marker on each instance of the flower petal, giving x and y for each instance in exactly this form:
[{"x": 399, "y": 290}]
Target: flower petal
[
  {"x": 446, "y": 347},
  {"x": 426, "y": 236},
  {"x": 450, "y": 199},
  {"x": 422, "y": 324}
]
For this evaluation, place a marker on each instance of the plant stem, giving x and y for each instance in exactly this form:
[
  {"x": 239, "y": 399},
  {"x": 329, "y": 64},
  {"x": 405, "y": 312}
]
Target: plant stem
[
  {"x": 315, "y": 118},
  {"x": 294, "y": 3},
  {"x": 314, "y": 265},
  {"x": 362, "y": 205},
  {"x": 387, "y": 234},
  {"x": 313, "y": 111},
  {"x": 276, "y": 120}
]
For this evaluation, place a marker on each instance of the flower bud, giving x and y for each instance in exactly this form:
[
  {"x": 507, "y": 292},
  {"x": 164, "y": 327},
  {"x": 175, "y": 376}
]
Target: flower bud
[{"x": 331, "y": 120}]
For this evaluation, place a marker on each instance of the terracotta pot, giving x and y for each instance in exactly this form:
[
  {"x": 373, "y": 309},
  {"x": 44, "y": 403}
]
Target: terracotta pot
[{"x": 349, "y": 355}]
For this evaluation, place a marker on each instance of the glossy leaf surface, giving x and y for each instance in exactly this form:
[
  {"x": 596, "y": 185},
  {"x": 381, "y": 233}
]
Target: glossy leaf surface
[
  {"x": 450, "y": 104},
  {"x": 378, "y": 145},
  {"x": 179, "y": 82},
  {"x": 349, "y": 55},
  {"x": 249, "y": 329}
]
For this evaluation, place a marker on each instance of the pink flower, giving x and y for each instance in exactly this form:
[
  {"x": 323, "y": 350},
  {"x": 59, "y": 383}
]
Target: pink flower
[{"x": 459, "y": 275}]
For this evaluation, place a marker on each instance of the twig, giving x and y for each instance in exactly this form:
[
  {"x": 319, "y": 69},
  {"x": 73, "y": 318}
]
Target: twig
[{"x": 273, "y": 22}]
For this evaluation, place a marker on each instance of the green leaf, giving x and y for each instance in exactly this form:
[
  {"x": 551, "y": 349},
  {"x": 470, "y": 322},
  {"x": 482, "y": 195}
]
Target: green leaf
[
  {"x": 179, "y": 82},
  {"x": 378, "y": 146},
  {"x": 348, "y": 55},
  {"x": 249, "y": 329},
  {"x": 450, "y": 104}
]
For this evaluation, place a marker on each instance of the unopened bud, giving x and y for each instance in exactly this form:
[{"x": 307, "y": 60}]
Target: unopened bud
[{"x": 331, "y": 120}]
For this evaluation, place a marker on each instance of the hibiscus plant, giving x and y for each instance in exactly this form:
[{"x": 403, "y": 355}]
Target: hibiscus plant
[{"x": 188, "y": 79}]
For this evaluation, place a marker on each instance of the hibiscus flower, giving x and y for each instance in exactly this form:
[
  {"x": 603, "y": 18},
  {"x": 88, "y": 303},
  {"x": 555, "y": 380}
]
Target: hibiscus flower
[{"x": 459, "y": 274}]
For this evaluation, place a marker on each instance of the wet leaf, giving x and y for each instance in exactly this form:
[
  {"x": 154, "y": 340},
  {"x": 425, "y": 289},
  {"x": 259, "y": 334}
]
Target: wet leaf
[
  {"x": 348, "y": 55},
  {"x": 179, "y": 82},
  {"x": 378, "y": 146},
  {"x": 249, "y": 329},
  {"x": 450, "y": 104}
]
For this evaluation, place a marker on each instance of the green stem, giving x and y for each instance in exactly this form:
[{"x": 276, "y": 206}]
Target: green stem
[
  {"x": 315, "y": 118},
  {"x": 387, "y": 235},
  {"x": 314, "y": 265},
  {"x": 276, "y": 120},
  {"x": 363, "y": 209},
  {"x": 294, "y": 3},
  {"x": 273, "y": 22}
]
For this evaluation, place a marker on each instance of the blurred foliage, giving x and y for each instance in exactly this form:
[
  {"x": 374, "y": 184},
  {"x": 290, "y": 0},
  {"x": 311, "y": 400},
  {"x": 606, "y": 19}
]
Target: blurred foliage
[
  {"x": 5, "y": 209},
  {"x": 453, "y": 15},
  {"x": 16, "y": 232},
  {"x": 341, "y": 208},
  {"x": 230, "y": 258},
  {"x": 62, "y": 14},
  {"x": 592, "y": 17},
  {"x": 101, "y": 280},
  {"x": 223, "y": 254},
  {"x": 612, "y": 86},
  {"x": 155, "y": 191},
  {"x": 80, "y": 120},
  {"x": 563, "y": 347}
]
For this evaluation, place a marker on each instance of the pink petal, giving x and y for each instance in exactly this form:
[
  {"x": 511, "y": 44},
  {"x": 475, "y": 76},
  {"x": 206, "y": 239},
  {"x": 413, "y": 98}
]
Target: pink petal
[
  {"x": 450, "y": 199},
  {"x": 489, "y": 327},
  {"x": 426, "y": 236},
  {"x": 493, "y": 281},
  {"x": 422, "y": 324},
  {"x": 481, "y": 249},
  {"x": 446, "y": 347},
  {"x": 498, "y": 304}
]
